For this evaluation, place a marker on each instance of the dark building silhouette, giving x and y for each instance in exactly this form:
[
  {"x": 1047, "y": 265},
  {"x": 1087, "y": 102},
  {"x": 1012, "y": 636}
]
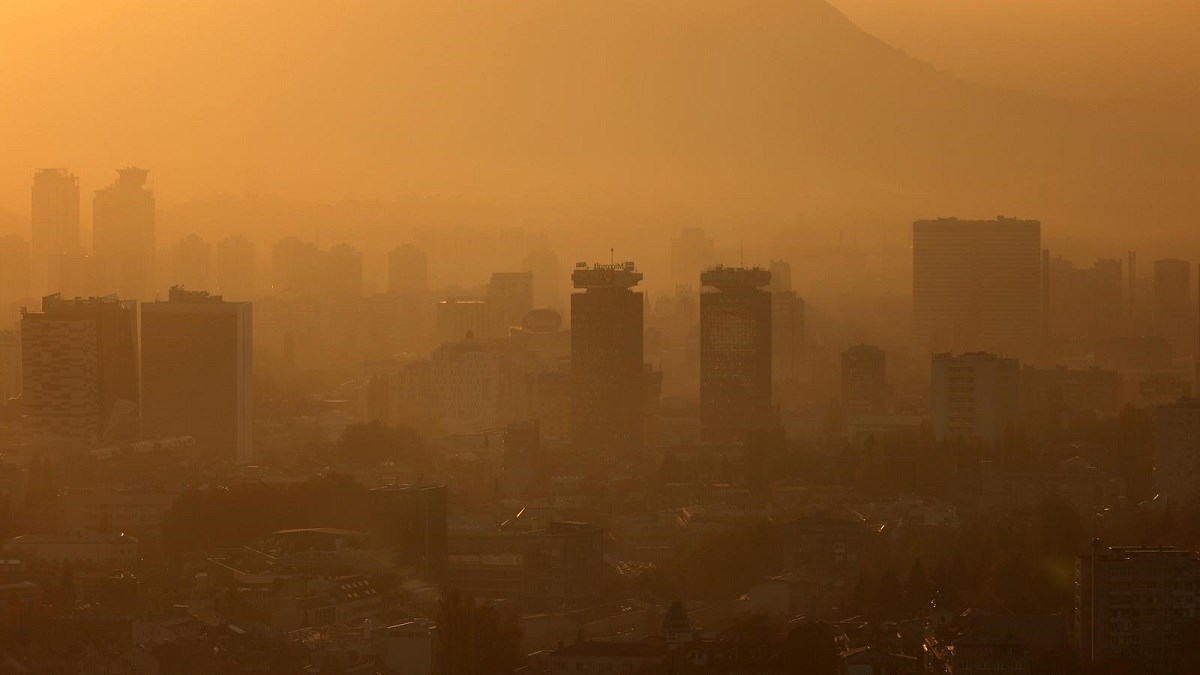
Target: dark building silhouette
[
  {"x": 192, "y": 260},
  {"x": 80, "y": 370},
  {"x": 1173, "y": 303},
  {"x": 54, "y": 228},
  {"x": 410, "y": 520},
  {"x": 691, "y": 252},
  {"x": 864, "y": 380},
  {"x": 14, "y": 278},
  {"x": 235, "y": 268},
  {"x": 787, "y": 324},
  {"x": 197, "y": 373},
  {"x": 735, "y": 352},
  {"x": 606, "y": 358},
  {"x": 977, "y": 284},
  {"x": 123, "y": 233},
  {"x": 509, "y": 299},
  {"x": 543, "y": 265},
  {"x": 563, "y": 563},
  {"x": 408, "y": 270}
]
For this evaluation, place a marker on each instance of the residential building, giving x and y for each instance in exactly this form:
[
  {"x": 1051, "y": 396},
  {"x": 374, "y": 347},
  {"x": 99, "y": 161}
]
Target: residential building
[
  {"x": 54, "y": 228},
  {"x": 80, "y": 379},
  {"x": 735, "y": 352},
  {"x": 1177, "y": 449},
  {"x": 410, "y": 520},
  {"x": 123, "y": 234},
  {"x": 974, "y": 395},
  {"x": 864, "y": 380},
  {"x": 198, "y": 372}
]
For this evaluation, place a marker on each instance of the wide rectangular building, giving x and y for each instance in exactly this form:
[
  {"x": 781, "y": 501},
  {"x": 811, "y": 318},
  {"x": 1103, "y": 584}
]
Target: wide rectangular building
[
  {"x": 977, "y": 284},
  {"x": 198, "y": 372}
]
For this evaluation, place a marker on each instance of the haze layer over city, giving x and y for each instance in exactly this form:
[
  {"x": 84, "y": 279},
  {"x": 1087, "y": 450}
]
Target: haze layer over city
[{"x": 659, "y": 336}]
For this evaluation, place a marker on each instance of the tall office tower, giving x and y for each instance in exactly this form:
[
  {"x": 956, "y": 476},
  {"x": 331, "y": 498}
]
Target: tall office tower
[
  {"x": 864, "y": 380},
  {"x": 781, "y": 276},
  {"x": 977, "y": 284},
  {"x": 735, "y": 352},
  {"x": 509, "y": 298},
  {"x": 974, "y": 395},
  {"x": 606, "y": 359},
  {"x": 691, "y": 252},
  {"x": 410, "y": 521},
  {"x": 14, "y": 278},
  {"x": 343, "y": 272},
  {"x": 235, "y": 268},
  {"x": 1133, "y": 604},
  {"x": 123, "y": 233},
  {"x": 80, "y": 370},
  {"x": 1082, "y": 303},
  {"x": 53, "y": 228},
  {"x": 1108, "y": 274},
  {"x": 543, "y": 265},
  {"x": 294, "y": 268},
  {"x": 787, "y": 324},
  {"x": 10, "y": 365},
  {"x": 459, "y": 318},
  {"x": 1173, "y": 302},
  {"x": 408, "y": 270},
  {"x": 1177, "y": 450},
  {"x": 192, "y": 257},
  {"x": 197, "y": 373}
]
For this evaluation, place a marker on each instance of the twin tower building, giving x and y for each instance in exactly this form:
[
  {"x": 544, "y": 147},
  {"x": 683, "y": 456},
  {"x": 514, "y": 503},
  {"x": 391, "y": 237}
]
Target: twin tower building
[{"x": 609, "y": 380}]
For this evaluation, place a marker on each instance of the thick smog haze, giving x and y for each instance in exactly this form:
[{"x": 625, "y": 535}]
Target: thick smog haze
[
  {"x": 767, "y": 110},
  {"x": 531, "y": 337}
]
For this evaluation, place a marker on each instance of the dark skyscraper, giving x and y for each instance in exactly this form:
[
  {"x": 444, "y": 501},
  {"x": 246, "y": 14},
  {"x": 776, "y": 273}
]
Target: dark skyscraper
[
  {"x": 864, "y": 380},
  {"x": 54, "y": 227},
  {"x": 977, "y": 284},
  {"x": 735, "y": 352},
  {"x": 410, "y": 521},
  {"x": 1173, "y": 302},
  {"x": 197, "y": 370},
  {"x": 606, "y": 358},
  {"x": 408, "y": 270},
  {"x": 235, "y": 268},
  {"x": 123, "y": 233},
  {"x": 80, "y": 370}
]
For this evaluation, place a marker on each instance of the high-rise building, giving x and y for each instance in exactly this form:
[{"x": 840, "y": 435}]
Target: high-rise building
[
  {"x": 977, "y": 284},
  {"x": 410, "y": 520},
  {"x": 1177, "y": 449},
  {"x": 691, "y": 252},
  {"x": 479, "y": 385},
  {"x": 1133, "y": 605},
  {"x": 864, "y": 380},
  {"x": 192, "y": 258},
  {"x": 974, "y": 395},
  {"x": 1083, "y": 303},
  {"x": 10, "y": 365},
  {"x": 80, "y": 370},
  {"x": 543, "y": 265},
  {"x": 294, "y": 268},
  {"x": 235, "y": 268},
  {"x": 1173, "y": 302},
  {"x": 197, "y": 372},
  {"x": 509, "y": 298},
  {"x": 342, "y": 272},
  {"x": 459, "y": 318},
  {"x": 408, "y": 270},
  {"x": 735, "y": 352},
  {"x": 606, "y": 358},
  {"x": 54, "y": 228},
  {"x": 123, "y": 233},
  {"x": 787, "y": 324},
  {"x": 14, "y": 278}
]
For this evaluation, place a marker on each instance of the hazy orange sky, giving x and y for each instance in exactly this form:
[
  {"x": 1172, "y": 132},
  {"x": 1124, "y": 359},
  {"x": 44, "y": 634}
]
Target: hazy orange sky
[{"x": 329, "y": 100}]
